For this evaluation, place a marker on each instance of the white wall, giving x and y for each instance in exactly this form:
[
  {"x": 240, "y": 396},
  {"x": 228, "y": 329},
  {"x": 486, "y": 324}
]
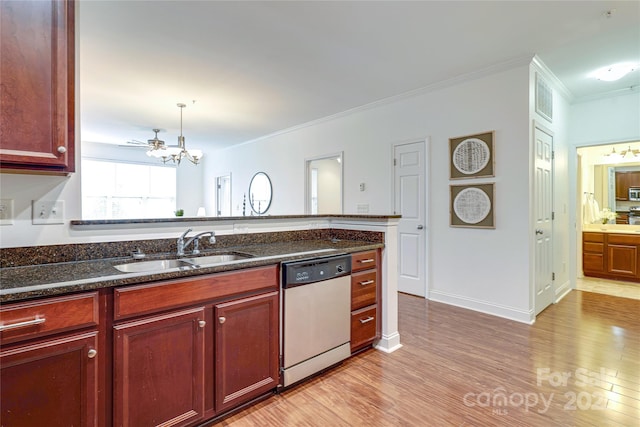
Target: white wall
[
  {"x": 486, "y": 270},
  {"x": 24, "y": 188},
  {"x": 606, "y": 120}
]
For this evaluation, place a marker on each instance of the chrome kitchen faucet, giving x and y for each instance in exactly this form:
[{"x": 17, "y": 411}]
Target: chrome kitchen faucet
[{"x": 196, "y": 241}]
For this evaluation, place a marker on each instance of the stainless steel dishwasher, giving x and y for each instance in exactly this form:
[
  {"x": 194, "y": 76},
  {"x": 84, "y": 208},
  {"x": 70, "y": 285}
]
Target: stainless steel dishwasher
[{"x": 316, "y": 319}]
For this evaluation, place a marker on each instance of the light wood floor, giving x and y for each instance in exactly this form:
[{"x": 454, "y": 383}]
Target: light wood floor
[
  {"x": 462, "y": 368},
  {"x": 609, "y": 287}
]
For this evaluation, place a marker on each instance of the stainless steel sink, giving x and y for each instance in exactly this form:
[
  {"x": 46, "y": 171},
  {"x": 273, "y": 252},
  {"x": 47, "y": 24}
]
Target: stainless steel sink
[
  {"x": 215, "y": 259},
  {"x": 183, "y": 263},
  {"x": 155, "y": 265}
]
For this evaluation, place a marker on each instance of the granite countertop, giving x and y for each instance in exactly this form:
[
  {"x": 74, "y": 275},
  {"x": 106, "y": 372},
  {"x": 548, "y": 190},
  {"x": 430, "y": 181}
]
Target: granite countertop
[{"x": 28, "y": 282}]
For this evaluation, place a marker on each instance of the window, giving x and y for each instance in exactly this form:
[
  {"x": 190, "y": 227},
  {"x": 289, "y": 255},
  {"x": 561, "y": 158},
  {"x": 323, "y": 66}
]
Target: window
[{"x": 112, "y": 190}]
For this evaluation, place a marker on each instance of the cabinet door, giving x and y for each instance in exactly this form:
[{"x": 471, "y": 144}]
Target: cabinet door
[
  {"x": 634, "y": 179},
  {"x": 159, "y": 370},
  {"x": 51, "y": 383},
  {"x": 622, "y": 260},
  {"x": 246, "y": 349},
  {"x": 37, "y": 96}
]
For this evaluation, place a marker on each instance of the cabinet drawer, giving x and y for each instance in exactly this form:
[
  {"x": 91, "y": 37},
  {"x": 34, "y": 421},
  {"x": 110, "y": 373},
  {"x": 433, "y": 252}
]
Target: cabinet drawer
[
  {"x": 593, "y": 262},
  {"x": 597, "y": 248},
  {"x": 363, "y": 326},
  {"x": 363, "y": 289},
  {"x": 363, "y": 260},
  {"x": 593, "y": 237},
  {"x": 149, "y": 298},
  {"x": 623, "y": 239},
  {"x": 45, "y": 317}
]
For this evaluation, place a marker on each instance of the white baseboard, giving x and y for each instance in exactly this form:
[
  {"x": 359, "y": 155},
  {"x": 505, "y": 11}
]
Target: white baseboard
[
  {"x": 562, "y": 291},
  {"x": 388, "y": 343},
  {"x": 523, "y": 316}
]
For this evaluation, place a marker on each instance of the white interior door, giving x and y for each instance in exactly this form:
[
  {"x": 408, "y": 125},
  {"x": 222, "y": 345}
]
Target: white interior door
[
  {"x": 409, "y": 194},
  {"x": 223, "y": 195},
  {"x": 543, "y": 206}
]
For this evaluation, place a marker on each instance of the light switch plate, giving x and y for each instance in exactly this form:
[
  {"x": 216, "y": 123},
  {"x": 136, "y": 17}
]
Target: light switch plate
[
  {"x": 47, "y": 212},
  {"x": 6, "y": 211}
]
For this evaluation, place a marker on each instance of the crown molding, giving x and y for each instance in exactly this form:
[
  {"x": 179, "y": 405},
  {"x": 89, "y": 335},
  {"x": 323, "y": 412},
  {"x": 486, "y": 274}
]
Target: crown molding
[
  {"x": 609, "y": 94},
  {"x": 542, "y": 67},
  {"x": 467, "y": 77}
]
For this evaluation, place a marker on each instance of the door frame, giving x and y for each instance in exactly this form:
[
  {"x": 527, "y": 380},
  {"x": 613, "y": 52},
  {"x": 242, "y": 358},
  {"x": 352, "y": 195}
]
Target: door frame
[
  {"x": 217, "y": 194},
  {"x": 307, "y": 179},
  {"x": 427, "y": 217}
]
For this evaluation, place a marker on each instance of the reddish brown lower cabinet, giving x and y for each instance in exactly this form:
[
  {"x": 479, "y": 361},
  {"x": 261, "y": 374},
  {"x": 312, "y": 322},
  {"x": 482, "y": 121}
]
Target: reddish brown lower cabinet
[
  {"x": 611, "y": 255},
  {"x": 365, "y": 299},
  {"x": 159, "y": 370},
  {"x": 51, "y": 382},
  {"x": 622, "y": 260},
  {"x": 167, "y": 353},
  {"x": 246, "y": 349},
  {"x": 593, "y": 253}
]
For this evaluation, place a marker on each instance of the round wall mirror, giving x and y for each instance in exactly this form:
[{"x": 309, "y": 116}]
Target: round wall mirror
[{"x": 260, "y": 193}]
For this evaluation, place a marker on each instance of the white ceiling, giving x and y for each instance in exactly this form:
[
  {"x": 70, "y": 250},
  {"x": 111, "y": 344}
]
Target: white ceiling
[{"x": 255, "y": 68}]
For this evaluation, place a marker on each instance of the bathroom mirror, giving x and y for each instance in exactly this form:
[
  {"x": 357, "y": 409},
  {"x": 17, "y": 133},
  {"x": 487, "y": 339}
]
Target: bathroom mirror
[{"x": 260, "y": 192}]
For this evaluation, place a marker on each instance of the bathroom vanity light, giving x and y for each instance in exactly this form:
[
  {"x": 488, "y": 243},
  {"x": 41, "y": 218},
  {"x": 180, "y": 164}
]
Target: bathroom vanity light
[{"x": 629, "y": 155}]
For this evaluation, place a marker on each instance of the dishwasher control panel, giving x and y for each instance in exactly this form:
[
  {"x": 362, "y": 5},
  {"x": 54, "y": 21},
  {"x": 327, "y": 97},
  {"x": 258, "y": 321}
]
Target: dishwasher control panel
[{"x": 296, "y": 273}]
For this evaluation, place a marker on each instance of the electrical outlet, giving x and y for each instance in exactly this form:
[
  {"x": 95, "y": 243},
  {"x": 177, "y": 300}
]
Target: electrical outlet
[
  {"x": 47, "y": 212},
  {"x": 6, "y": 211}
]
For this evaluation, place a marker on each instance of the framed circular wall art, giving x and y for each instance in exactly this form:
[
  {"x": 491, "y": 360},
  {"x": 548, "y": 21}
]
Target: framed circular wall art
[
  {"x": 471, "y": 156},
  {"x": 472, "y": 206}
]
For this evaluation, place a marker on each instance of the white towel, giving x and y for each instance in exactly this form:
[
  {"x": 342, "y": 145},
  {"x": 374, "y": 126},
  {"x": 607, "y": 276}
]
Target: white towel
[
  {"x": 587, "y": 211},
  {"x": 596, "y": 209}
]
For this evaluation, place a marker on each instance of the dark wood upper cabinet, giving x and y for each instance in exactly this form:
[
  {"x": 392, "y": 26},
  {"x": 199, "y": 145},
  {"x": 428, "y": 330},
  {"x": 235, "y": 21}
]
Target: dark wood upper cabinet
[
  {"x": 624, "y": 181},
  {"x": 37, "y": 96}
]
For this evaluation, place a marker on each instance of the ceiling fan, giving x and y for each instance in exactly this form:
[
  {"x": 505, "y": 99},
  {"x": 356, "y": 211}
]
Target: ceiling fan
[
  {"x": 175, "y": 153},
  {"x": 152, "y": 144}
]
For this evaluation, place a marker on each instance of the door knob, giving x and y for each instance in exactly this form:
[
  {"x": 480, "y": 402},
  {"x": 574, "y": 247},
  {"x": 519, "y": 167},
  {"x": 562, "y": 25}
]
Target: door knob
[
  {"x": 420, "y": 227},
  {"x": 221, "y": 320},
  {"x": 92, "y": 353}
]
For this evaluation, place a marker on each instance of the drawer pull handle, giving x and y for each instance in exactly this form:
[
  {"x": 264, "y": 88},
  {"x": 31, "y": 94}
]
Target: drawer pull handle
[
  {"x": 366, "y": 320},
  {"x": 366, "y": 261},
  {"x": 36, "y": 321},
  {"x": 92, "y": 353},
  {"x": 201, "y": 323},
  {"x": 222, "y": 319},
  {"x": 367, "y": 282}
]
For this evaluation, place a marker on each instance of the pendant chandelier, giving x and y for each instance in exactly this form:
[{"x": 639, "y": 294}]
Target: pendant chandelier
[{"x": 173, "y": 153}]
